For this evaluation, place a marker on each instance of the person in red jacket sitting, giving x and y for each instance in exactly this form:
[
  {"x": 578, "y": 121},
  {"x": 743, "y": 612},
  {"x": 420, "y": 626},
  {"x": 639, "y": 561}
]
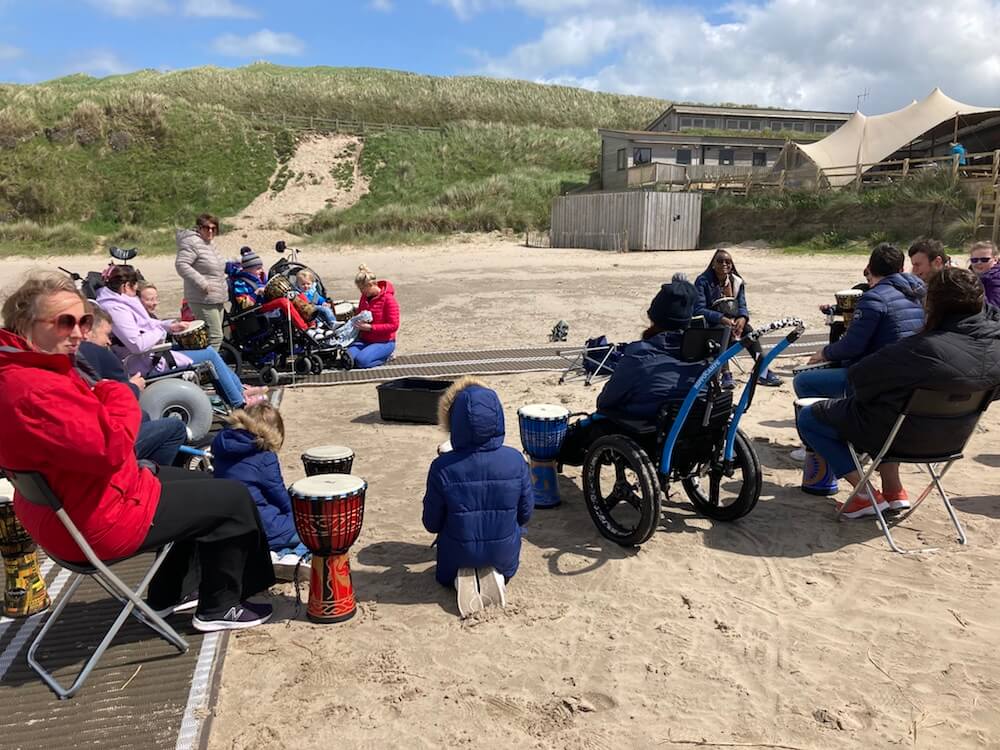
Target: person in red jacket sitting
[
  {"x": 82, "y": 440},
  {"x": 377, "y": 340}
]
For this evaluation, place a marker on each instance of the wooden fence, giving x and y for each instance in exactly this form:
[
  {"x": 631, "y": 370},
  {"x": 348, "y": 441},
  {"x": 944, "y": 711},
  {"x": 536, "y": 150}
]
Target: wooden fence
[{"x": 312, "y": 124}]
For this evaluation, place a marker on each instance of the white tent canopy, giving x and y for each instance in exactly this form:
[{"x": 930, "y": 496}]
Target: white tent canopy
[{"x": 867, "y": 140}]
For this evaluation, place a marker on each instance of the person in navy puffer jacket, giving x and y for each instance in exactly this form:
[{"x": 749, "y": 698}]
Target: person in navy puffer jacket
[
  {"x": 892, "y": 309},
  {"x": 245, "y": 451},
  {"x": 478, "y": 497}
]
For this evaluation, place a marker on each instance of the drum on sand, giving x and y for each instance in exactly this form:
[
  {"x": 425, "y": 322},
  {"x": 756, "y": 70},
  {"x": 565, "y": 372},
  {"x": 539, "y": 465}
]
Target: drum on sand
[
  {"x": 817, "y": 478},
  {"x": 543, "y": 429},
  {"x": 328, "y": 510},
  {"x": 24, "y": 591},
  {"x": 328, "y": 459}
]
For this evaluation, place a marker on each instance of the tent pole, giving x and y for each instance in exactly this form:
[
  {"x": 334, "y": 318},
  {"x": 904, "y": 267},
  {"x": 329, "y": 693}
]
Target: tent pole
[{"x": 955, "y": 136}]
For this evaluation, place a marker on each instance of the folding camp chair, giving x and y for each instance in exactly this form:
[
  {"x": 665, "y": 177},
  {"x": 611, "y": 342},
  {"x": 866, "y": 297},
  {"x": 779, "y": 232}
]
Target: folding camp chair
[
  {"x": 951, "y": 418},
  {"x": 33, "y": 488},
  {"x": 595, "y": 359}
]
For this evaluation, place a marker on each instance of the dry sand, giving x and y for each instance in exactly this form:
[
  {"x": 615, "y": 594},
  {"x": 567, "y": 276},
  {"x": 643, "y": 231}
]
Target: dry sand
[{"x": 785, "y": 629}]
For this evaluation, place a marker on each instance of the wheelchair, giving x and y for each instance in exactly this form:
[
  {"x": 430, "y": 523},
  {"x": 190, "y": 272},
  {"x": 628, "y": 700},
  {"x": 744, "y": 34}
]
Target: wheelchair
[{"x": 630, "y": 465}]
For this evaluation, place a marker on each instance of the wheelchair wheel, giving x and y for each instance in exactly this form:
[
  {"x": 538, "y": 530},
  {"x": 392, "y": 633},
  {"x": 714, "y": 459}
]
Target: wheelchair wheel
[
  {"x": 232, "y": 357},
  {"x": 621, "y": 490},
  {"x": 315, "y": 364},
  {"x": 723, "y": 498},
  {"x": 269, "y": 375},
  {"x": 177, "y": 398},
  {"x": 302, "y": 365}
]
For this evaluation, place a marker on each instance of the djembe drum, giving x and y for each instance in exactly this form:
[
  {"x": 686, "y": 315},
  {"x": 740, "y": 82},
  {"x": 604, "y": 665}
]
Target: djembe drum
[
  {"x": 328, "y": 459},
  {"x": 847, "y": 302},
  {"x": 25, "y": 593},
  {"x": 328, "y": 510},
  {"x": 195, "y": 336},
  {"x": 543, "y": 429},
  {"x": 817, "y": 478}
]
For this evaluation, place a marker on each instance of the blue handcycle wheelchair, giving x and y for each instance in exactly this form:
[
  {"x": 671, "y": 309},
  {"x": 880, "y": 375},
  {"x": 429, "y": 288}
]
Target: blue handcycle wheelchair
[{"x": 697, "y": 440}]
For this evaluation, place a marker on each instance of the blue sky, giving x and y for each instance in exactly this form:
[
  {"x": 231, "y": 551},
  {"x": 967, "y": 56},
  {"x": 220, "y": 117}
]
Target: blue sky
[{"x": 809, "y": 53}]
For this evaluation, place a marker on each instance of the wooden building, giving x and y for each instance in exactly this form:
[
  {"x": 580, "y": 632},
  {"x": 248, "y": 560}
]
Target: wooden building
[{"x": 678, "y": 118}]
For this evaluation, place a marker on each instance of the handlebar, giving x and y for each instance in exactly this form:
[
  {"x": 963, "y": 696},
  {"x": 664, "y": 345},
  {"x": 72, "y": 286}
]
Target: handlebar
[{"x": 777, "y": 325}]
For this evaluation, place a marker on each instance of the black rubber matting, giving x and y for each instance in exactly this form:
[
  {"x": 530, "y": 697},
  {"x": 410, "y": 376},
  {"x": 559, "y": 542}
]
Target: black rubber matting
[
  {"x": 496, "y": 362},
  {"x": 140, "y": 694}
]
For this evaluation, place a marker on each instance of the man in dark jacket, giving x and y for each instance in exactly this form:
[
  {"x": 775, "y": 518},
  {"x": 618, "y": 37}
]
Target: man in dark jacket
[
  {"x": 158, "y": 440},
  {"x": 959, "y": 351},
  {"x": 890, "y": 310},
  {"x": 478, "y": 497}
]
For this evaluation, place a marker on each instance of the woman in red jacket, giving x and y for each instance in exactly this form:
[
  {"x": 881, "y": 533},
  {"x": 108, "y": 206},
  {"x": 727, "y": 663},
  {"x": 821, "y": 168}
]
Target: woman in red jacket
[
  {"x": 377, "y": 340},
  {"x": 80, "y": 435}
]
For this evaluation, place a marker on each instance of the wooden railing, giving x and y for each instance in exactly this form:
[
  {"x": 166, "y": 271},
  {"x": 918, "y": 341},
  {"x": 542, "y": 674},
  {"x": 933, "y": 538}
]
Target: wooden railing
[{"x": 309, "y": 123}]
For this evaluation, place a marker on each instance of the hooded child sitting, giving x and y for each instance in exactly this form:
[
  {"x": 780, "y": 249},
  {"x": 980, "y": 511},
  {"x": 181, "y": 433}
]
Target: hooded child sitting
[{"x": 478, "y": 497}]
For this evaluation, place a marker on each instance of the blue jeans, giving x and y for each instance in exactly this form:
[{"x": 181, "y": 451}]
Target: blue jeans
[
  {"x": 371, "y": 355},
  {"x": 828, "y": 383},
  {"x": 826, "y": 441},
  {"x": 324, "y": 312},
  {"x": 159, "y": 439},
  {"x": 229, "y": 386}
]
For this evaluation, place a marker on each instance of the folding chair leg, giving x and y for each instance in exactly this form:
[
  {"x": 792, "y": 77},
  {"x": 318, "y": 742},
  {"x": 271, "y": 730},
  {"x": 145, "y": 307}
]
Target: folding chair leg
[
  {"x": 936, "y": 483},
  {"x": 131, "y": 601},
  {"x": 866, "y": 476}
]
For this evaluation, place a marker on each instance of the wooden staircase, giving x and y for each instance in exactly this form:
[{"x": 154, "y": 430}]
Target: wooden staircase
[{"x": 987, "y": 219}]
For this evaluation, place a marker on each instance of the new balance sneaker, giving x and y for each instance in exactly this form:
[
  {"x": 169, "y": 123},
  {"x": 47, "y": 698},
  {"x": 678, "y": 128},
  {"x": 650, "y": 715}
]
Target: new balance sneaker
[
  {"x": 467, "y": 587},
  {"x": 728, "y": 383},
  {"x": 492, "y": 588},
  {"x": 799, "y": 454},
  {"x": 861, "y": 506},
  {"x": 770, "y": 380},
  {"x": 243, "y": 615},
  {"x": 897, "y": 500}
]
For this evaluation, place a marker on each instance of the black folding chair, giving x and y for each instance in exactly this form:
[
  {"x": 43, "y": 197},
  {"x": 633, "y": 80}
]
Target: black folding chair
[
  {"x": 948, "y": 416},
  {"x": 33, "y": 488}
]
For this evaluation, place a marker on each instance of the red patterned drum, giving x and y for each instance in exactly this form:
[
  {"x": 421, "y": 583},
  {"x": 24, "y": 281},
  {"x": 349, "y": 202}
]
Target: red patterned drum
[{"x": 328, "y": 511}]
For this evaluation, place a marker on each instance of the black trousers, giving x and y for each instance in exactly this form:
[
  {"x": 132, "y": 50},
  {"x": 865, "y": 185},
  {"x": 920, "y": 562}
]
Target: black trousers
[{"x": 219, "y": 547}]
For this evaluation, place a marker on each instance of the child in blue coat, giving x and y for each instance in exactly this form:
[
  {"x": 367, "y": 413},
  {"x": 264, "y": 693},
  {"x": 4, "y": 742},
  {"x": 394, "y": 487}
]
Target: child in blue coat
[
  {"x": 478, "y": 498},
  {"x": 245, "y": 451}
]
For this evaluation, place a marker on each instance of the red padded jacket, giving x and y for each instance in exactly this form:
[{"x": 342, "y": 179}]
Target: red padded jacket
[
  {"x": 82, "y": 440},
  {"x": 385, "y": 314}
]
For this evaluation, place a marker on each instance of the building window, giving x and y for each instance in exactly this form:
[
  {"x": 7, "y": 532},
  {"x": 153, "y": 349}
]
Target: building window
[
  {"x": 642, "y": 155},
  {"x": 760, "y": 158},
  {"x": 732, "y": 125},
  {"x": 799, "y": 126},
  {"x": 683, "y": 156},
  {"x": 685, "y": 122},
  {"x": 726, "y": 156},
  {"x": 698, "y": 122},
  {"x": 744, "y": 124},
  {"x": 711, "y": 123},
  {"x": 775, "y": 125},
  {"x": 622, "y": 160},
  {"x": 755, "y": 124}
]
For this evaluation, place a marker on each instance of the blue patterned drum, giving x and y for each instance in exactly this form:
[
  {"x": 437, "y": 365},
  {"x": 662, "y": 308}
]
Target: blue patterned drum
[
  {"x": 817, "y": 477},
  {"x": 543, "y": 428}
]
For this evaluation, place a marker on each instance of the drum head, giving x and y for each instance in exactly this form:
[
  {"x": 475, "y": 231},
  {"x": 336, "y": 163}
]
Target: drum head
[
  {"x": 848, "y": 293},
  {"x": 543, "y": 412},
  {"x": 193, "y": 325},
  {"x": 328, "y": 486},
  {"x": 802, "y": 403},
  {"x": 6, "y": 492},
  {"x": 445, "y": 447},
  {"x": 328, "y": 452},
  {"x": 343, "y": 308}
]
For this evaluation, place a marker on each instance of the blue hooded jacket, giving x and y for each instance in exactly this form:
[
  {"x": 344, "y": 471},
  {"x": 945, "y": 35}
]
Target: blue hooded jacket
[
  {"x": 891, "y": 310},
  {"x": 649, "y": 373},
  {"x": 709, "y": 291},
  {"x": 479, "y": 495},
  {"x": 236, "y": 456}
]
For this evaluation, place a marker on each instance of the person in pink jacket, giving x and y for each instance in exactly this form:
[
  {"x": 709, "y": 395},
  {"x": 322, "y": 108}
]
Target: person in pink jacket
[{"x": 377, "y": 340}]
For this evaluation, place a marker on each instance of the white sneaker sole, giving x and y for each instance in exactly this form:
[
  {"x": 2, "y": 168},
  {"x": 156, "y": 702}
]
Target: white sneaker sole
[
  {"x": 492, "y": 588},
  {"x": 211, "y": 626},
  {"x": 868, "y": 510},
  {"x": 467, "y": 588}
]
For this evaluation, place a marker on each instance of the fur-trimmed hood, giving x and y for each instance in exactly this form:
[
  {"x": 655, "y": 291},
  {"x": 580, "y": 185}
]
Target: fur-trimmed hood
[{"x": 473, "y": 414}]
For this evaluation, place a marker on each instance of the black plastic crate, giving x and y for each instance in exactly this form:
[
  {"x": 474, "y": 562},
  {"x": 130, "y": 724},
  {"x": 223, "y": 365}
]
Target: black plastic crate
[{"x": 411, "y": 399}]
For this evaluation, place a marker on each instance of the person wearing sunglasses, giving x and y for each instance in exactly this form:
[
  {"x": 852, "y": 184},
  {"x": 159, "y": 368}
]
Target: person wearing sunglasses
[
  {"x": 81, "y": 438},
  {"x": 985, "y": 263},
  {"x": 203, "y": 271},
  {"x": 722, "y": 300}
]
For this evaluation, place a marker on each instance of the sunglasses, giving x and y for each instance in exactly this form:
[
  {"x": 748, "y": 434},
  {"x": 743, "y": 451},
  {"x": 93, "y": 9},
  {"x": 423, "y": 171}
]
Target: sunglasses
[
  {"x": 981, "y": 260},
  {"x": 65, "y": 323},
  {"x": 724, "y": 261},
  {"x": 213, "y": 230}
]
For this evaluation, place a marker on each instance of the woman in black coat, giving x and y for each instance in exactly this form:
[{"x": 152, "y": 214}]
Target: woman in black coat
[{"x": 958, "y": 350}]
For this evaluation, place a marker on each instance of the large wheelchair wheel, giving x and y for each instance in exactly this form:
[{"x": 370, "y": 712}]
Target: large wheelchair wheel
[
  {"x": 725, "y": 498},
  {"x": 232, "y": 357},
  {"x": 621, "y": 490},
  {"x": 180, "y": 399}
]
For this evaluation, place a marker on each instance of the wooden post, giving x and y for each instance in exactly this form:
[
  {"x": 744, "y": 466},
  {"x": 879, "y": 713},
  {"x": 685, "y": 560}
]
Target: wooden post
[
  {"x": 781, "y": 181},
  {"x": 996, "y": 223},
  {"x": 819, "y": 177},
  {"x": 906, "y": 167},
  {"x": 954, "y": 168},
  {"x": 857, "y": 178},
  {"x": 996, "y": 166}
]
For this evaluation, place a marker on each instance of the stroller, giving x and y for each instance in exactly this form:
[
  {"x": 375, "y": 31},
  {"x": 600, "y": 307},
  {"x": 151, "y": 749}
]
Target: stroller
[{"x": 264, "y": 333}]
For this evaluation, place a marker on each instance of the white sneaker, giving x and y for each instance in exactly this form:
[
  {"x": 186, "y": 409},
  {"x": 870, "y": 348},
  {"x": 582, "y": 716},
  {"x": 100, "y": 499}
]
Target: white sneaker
[
  {"x": 492, "y": 588},
  {"x": 799, "y": 454},
  {"x": 467, "y": 587},
  {"x": 291, "y": 560},
  {"x": 274, "y": 557}
]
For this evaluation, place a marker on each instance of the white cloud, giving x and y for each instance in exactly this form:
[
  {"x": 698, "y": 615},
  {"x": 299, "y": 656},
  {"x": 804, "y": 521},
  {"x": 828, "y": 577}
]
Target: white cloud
[
  {"x": 262, "y": 43},
  {"x": 217, "y": 9},
  {"x": 99, "y": 63},
  {"x": 131, "y": 8},
  {"x": 796, "y": 53},
  {"x": 382, "y": 6},
  {"x": 10, "y": 52}
]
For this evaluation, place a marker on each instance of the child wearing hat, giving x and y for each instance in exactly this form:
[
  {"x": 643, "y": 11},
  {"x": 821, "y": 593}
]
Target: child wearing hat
[{"x": 249, "y": 282}]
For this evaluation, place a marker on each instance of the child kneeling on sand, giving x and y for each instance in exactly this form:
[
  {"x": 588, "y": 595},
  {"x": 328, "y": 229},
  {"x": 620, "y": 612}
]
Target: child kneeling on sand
[
  {"x": 245, "y": 451},
  {"x": 478, "y": 498}
]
